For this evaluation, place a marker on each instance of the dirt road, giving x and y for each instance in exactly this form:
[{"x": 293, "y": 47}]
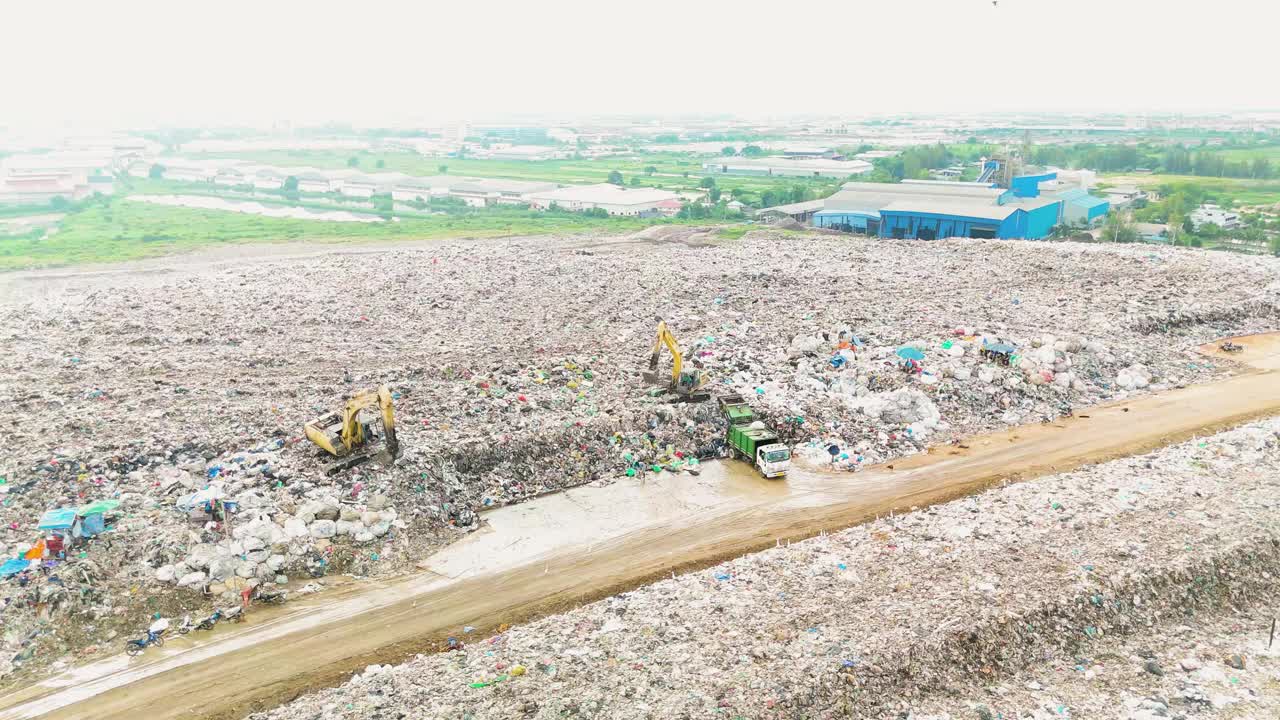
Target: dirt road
[{"x": 310, "y": 644}]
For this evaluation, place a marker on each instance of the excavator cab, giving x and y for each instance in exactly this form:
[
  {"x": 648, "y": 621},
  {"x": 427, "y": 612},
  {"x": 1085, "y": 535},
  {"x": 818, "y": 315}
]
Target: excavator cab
[
  {"x": 352, "y": 438},
  {"x": 686, "y": 384}
]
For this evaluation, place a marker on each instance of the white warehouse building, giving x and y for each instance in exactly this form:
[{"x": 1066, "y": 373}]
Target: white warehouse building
[
  {"x": 641, "y": 202},
  {"x": 786, "y": 167}
]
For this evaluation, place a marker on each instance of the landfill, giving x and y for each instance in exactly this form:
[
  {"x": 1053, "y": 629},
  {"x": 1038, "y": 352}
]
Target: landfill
[
  {"x": 1137, "y": 588},
  {"x": 515, "y": 368}
]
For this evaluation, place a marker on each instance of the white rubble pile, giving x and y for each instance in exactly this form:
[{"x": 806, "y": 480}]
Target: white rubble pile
[{"x": 1102, "y": 573}]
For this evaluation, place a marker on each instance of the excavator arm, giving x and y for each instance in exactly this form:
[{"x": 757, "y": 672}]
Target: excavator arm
[
  {"x": 341, "y": 434},
  {"x": 677, "y": 360},
  {"x": 686, "y": 384}
]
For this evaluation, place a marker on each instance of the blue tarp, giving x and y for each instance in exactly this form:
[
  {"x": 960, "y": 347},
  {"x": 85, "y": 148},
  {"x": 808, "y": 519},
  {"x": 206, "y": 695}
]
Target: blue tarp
[
  {"x": 92, "y": 525},
  {"x": 13, "y": 566},
  {"x": 59, "y": 519},
  {"x": 910, "y": 353}
]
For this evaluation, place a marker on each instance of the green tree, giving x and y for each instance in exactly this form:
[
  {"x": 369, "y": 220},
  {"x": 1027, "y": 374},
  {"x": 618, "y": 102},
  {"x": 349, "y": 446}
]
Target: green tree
[
  {"x": 381, "y": 163},
  {"x": 353, "y": 161},
  {"x": 728, "y": 150},
  {"x": 707, "y": 182},
  {"x": 693, "y": 211},
  {"x": 714, "y": 194},
  {"x": 156, "y": 172},
  {"x": 1117, "y": 229},
  {"x": 290, "y": 184},
  {"x": 752, "y": 151},
  {"x": 1174, "y": 228},
  {"x": 685, "y": 173},
  {"x": 650, "y": 170},
  {"x": 635, "y": 180},
  {"x": 1260, "y": 168},
  {"x": 615, "y": 177},
  {"x": 59, "y": 202},
  {"x": 442, "y": 169}
]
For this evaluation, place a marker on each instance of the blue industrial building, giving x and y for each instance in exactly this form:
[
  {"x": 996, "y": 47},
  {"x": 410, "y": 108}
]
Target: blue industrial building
[
  {"x": 927, "y": 210},
  {"x": 1079, "y": 207}
]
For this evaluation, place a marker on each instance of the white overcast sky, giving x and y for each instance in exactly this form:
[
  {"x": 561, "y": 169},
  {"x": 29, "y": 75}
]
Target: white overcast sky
[{"x": 123, "y": 62}]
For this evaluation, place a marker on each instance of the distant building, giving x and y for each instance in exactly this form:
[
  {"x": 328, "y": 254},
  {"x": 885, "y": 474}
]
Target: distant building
[
  {"x": 102, "y": 184},
  {"x": 185, "y": 171},
  {"x": 801, "y": 212},
  {"x": 1123, "y": 196},
  {"x": 1152, "y": 232},
  {"x": 635, "y": 202},
  {"x": 670, "y": 207},
  {"x": 40, "y": 179},
  {"x": 1081, "y": 208},
  {"x": 524, "y": 152},
  {"x": 313, "y": 182},
  {"x": 808, "y": 151},
  {"x": 1214, "y": 215},
  {"x": 268, "y": 179},
  {"x": 784, "y": 167},
  {"x": 481, "y": 193},
  {"x": 411, "y": 189},
  {"x": 359, "y": 186},
  {"x": 226, "y": 177},
  {"x": 40, "y": 188},
  {"x": 927, "y": 211}
]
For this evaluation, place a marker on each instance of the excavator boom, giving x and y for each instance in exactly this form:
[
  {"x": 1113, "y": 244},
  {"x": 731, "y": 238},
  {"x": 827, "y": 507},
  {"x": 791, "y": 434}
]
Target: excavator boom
[
  {"x": 341, "y": 434},
  {"x": 686, "y": 384}
]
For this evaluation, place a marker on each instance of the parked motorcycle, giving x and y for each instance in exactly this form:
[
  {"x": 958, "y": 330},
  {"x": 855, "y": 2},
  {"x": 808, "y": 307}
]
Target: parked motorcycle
[
  {"x": 275, "y": 597},
  {"x": 134, "y": 648},
  {"x": 209, "y": 622},
  {"x": 205, "y": 624}
]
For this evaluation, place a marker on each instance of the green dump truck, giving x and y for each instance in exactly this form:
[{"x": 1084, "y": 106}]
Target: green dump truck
[{"x": 751, "y": 439}]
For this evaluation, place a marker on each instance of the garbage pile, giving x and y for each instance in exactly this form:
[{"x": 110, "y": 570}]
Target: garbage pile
[
  {"x": 516, "y": 370},
  {"x": 1042, "y": 581},
  {"x": 1218, "y": 667}
]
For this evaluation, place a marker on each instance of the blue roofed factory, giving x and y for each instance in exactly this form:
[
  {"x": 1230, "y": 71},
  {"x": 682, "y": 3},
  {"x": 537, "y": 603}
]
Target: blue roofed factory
[{"x": 927, "y": 209}]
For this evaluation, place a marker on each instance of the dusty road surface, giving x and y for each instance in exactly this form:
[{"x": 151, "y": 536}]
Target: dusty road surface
[{"x": 526, "y": 567}]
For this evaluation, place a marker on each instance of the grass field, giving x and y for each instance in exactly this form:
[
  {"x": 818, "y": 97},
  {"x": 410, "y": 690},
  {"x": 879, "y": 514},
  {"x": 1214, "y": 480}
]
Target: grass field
[
  {"x": 669, "y": 168},
  {"x": 124, "y": 230},
  {"x": 1244, "y": 192},
  {"x": 1270, "y": 152}
]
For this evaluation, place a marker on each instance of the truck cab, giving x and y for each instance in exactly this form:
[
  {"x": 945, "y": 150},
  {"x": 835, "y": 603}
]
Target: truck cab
[
  {"x": 773, "y": 460},
  {"x": 752, "y": 440}
]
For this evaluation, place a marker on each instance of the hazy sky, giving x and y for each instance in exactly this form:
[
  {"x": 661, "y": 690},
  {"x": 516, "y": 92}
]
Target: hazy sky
[{"x": 373, "y": 61}]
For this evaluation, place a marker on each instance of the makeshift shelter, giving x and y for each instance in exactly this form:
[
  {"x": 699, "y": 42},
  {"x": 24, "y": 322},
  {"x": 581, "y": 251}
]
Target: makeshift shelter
[{"x": 58, "y": 519}]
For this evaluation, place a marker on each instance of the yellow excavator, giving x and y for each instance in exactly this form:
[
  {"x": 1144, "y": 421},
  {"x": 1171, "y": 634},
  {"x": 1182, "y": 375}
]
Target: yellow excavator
[
  {"x": 686, "y": 384},
  {"x": 345, "y": 436}
]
